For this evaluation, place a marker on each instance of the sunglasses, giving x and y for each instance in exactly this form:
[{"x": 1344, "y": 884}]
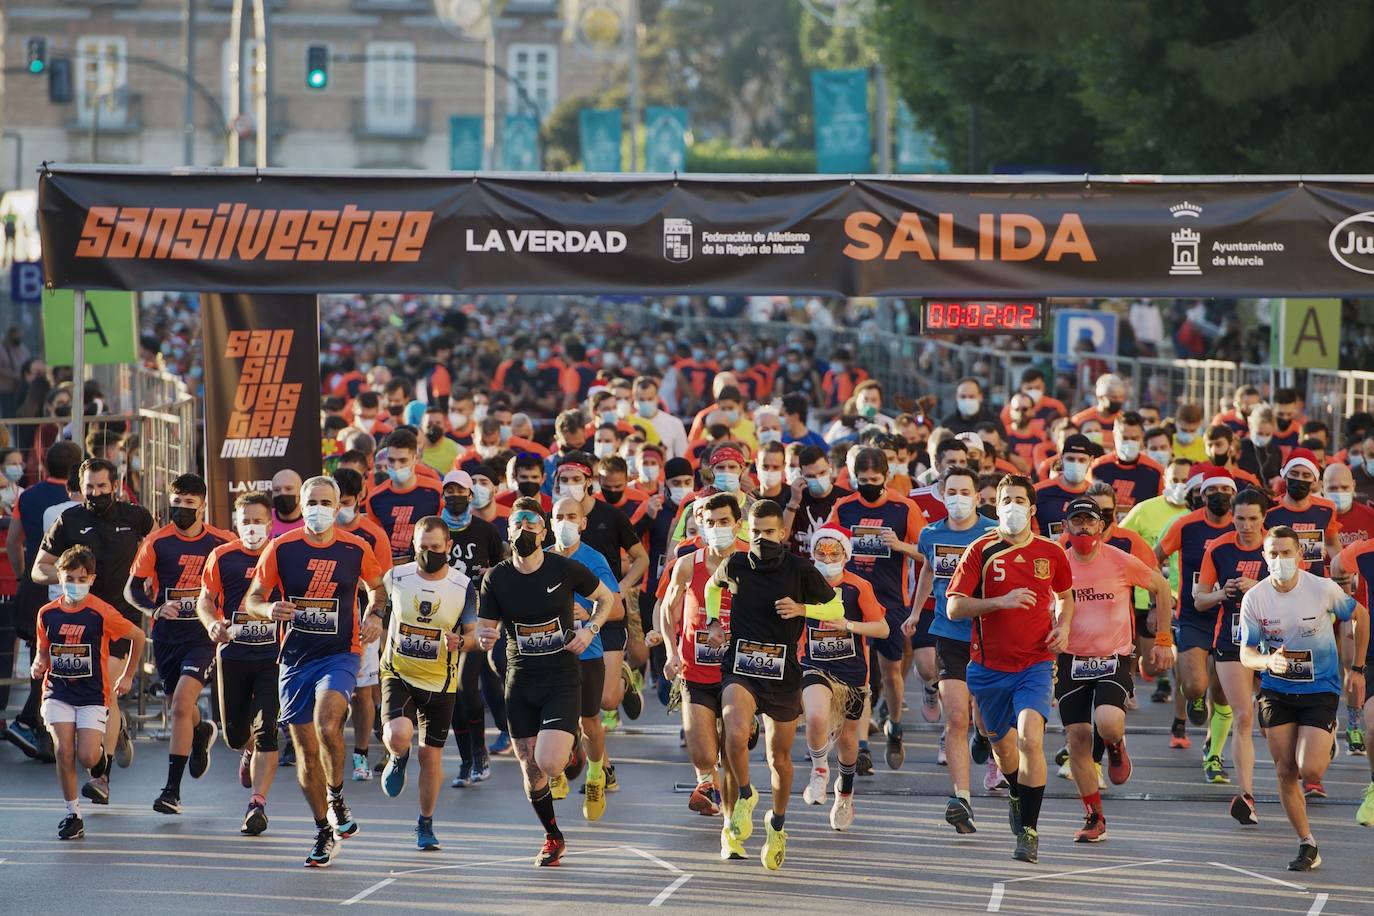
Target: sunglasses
[{"x": 526, "y": 517}]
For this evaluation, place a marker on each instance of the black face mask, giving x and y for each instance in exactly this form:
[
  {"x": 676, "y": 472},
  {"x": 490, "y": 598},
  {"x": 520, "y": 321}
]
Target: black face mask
[
  {"x": 62, "y": 410},
  {"x": 1114, "y": 406},
  {"x": 1219, "y": 460},
  {"x": 456, "y": 505},
  {"x": 99, "y": 505},
  {"x": 1298, "y": 489},
  {"x": 870, "y": 492},
  {"x": 988, "y": 510},
  {"x": 767, "y": 553},
  {"x": 612, "y": 496},
  {"x": 285, "y": 504},
  {"x": 182, "y": 517},
  {"x": 1218, "y": 503},
  {"x": 435, "y": 433},
  {"x": 394, "y": 409},
  {"x": 525, "y": 543},
  {"x": 528, "y": 488},
  {"x": 431, "y": 561}
]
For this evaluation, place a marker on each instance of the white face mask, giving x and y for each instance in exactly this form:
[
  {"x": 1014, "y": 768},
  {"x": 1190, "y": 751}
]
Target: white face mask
[
  {"x": 576, "y": 491},
  {"x": 1074, "y": 472},
  {"x": 346, "y": 515},
  {"x": 566, "y": 533},
  {"x": 1161, "y": 457},
  {"x": 603, "y": 449},
  {"x": 726, "y": 482},
  {"x": 481, "y": 496},
  {"x": 458, "y": 420},
  {"x": 479, "y": 412},
  {"x": 75, "y": 592},
  {"x": 318, "y": 519},
  {"x": 1343, "y": 501},
  {"x": 769, "y": 435},
  {"x": 719, "y": 538},
  {"x": 650, "y": 472},
  {"x": 1035, "y": 394},
  {"x": 1185, "y": 437},
  {"x": 1261, "y": 441},
  {"x": 1012, "y": 518},
  {"x": 623, "y": 409},
  {"x": 679, "y": 494},
  {"x": 792, "y": 475},
  {"x": 1127, "y": 450},
  {"x": 770, "y": 479},
  {"x": 960, "y": 507},
  {"x": 968, "y": 406},
  {"x": 1283, "y": 568},
  {"x": 1176, "y": 493},
  {"x": 253, "y": 536},
  {"x": 830, "y": 570}
]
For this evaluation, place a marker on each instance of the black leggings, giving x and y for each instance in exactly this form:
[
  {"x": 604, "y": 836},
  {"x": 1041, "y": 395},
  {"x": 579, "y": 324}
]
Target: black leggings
[
  {"x": 469, "y": 711},
  {"x": 248, "y": 703}
]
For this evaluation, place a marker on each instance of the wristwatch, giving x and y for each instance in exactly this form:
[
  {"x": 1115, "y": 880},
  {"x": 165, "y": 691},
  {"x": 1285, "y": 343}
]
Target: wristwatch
[
  {"x": 848, "y": 626},
  {"x": 594, "y": 627},
  {"x": 1357, "y": 669}
]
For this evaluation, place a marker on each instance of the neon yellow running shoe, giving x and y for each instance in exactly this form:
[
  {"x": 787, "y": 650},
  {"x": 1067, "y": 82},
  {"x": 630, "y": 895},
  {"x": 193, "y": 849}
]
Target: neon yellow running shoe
[
  {"x": 594, "y": 801},
  {"x": 730, "y": 848},
  {"x": 742, "y": 818},
  {"x": 1365, "y": 815},
  {"x": 558, "y": 785},
  {"x": 774, "y": 850}
]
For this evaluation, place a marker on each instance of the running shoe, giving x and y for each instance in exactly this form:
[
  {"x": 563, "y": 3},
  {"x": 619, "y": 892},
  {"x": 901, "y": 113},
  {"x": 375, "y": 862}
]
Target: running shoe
[
  {"x": 730, "y": 848},
  {"x": 774, "y": 849},
  {"x": 381, "y": 763},
  {"x": 464, "y": 777},
  {"x": 201, "y": 739},
  {"x": 612, "y": 784},
  {"x": 124, "y": 747},
  {"x": 1027, "y": 846},
  {"x": 1354, "y": 740},
  {"x": 325, "y": 849},
  {"x": 288, "y": 753},
  {"x": 941, "y": 758},
  {"x": 594, "y": 798},
  {"x": 633, "y": 701},
  {"x": 880, "y": 715},
  {"x": 558, "y": 786},
  {"x": 425, "y": 840},
  {"x": 362, "y": 770},
  {"x": 551, "y": 853},
  {"x": 896, "y": 753},
  {"x": 814, "y": 793},
  {"x": 168, "y": 802},
  {"x": 254, "y": 820},
  {"x": 394, "y": 776},
  {"x": 501, "y": 745},
  {"x": 610, "y": 720},
  {"x": 1214, "y": 772},
  {"x": 481, "y": 766},
  {"x": 842, "y": 811},
  {"x": 993, "y": 778},
  {"x": 576, "y": 761},
  {"x": 1314, "y": 789},
  {"x": 1307, "y": 860},
  {"x": 1014, "y": 815},
  {"x": 1101, "y": 778},
  {"x": 930, "y": 705},
  {"x": 1061, "y": 756},
  {"x": 1365, "y": 815},
  {"x": 702, "y": 801},
  {"x": 1197, "y": 711},
  {"x": 754, "y": 733},
  {"x": 1132, "y": 704},
  {"x": 959, "y": 815},
  {"x": 979, "y": 747},
  {"x": 742, "y": 818},
  {"x": 682, "y": 737},
  {"x": 1243, "y": 810},
  {"x": 1094, "y": 829},
  {"x": 1178, "y": 735},
  {"x": 71, "y": 828},
  {"x": 1163, "y": 691},
  {"x": 1118, "y": 763},
  {"x": 342, "y": 819},
  {"x": 863, "y": 766},
  {"x": 1065, "y": 771},
  {"x": 245, "y": 768},
  {"x": 97, "y": 790},
  {"x": 26, "y": 739}
]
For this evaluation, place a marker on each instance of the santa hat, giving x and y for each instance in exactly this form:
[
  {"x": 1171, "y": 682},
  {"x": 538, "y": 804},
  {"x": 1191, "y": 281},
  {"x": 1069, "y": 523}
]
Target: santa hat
[
  {"x": 835, "y": 533},
  {"x": 1209, "y": 475},
  {"x": 1301, "y": 458}
]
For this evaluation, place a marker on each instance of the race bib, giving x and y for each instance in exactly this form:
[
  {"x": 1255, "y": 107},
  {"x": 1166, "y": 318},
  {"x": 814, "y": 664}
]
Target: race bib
[
  {"x": 250, "y": 631},
  {"x": 1299, "y": 665},
  {"x": 1090, "y": 668},
  {"x": 706, "y": 654},
  {"x": 316, "y": 616},
  {"x": 824, "y": 645},
  {"x": 1313, "y": 544},
  {"x": 420, "y": 643},
  {"x": 539, "y": 638},
  {"x": 947, "y": 557},
  {"x": 868, "y": 542},
  {"x": 184, "y": 600},
  {"x": 1055, "y": 529},
  {"x": 71, "y": 660},
  {"x": 1235, "y": 628},
  {"x": 765, "y": 660}
]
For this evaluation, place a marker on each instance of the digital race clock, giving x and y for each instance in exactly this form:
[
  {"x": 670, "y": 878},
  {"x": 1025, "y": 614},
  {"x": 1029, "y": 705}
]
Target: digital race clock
[{"x": 941, "y": 316}]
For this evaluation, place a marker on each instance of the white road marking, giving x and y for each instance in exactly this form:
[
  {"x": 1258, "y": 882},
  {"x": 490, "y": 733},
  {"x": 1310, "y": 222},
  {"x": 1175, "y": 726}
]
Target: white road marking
[
  {"x": 418, "y": 871},
  {"x": 656, "y": 860},
  {"x": 364, "y": 894},
  {"x": 1085, "y": 871},
  {"x": 1255, "y": 874},
  {"x": 1318, "y": 904},
  {"x": 995, "y": 901},
  {"x": 683, "y": 879}
]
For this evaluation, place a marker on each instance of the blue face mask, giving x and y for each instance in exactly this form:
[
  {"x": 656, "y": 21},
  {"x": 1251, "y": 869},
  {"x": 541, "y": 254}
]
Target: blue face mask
[
  {"x": 458, "y": 521},
  {"x": 75, "y": 591},
  {"x": 1356, "y": 462},
  {"x": 531, "y": 364},
  {"x": 817, "y": 486},
  {"x": 400, "y": 476}
]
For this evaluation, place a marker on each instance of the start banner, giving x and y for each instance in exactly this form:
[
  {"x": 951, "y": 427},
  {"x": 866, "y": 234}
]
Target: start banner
[
  {"x": 262, "y": 394},
  {"x": 279, "y": 231}
]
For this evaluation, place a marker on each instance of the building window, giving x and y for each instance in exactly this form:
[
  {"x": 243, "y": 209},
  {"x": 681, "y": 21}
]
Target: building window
[
  {"x": 536, "y": 67},
  {"x": 102, "y": 78},
  {"x": 248, "y": 67},
  {"x": 390, "y": 83}
]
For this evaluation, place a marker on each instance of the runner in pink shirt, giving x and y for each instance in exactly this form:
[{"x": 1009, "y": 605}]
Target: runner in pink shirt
[{"x": 1093, "y": 677}]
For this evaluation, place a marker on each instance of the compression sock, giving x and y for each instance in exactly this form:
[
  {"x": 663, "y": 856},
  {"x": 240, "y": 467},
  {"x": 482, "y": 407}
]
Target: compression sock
[
  {"x": 847, "y": 771},
  {"x": 818, "y": 757},
  {"x": 746, "y": 790},
  {"x": 542, "y": 802},
  {"x": 476, "y": 739},
  {"x": 596, "y": 769},
  {"x": 1219, "y": 728},
  {"x": 1093, "y": 802},
  {"x": 176, "y": 766},
  {"x": 74, "y": 806},
  {"x": 1099, "y": 746},
  {"x": 776, "y": 820},
  {"x": 1031, "y": 797},
  {"x": 1013, "y": 785},
  {"x": 102, "y": 767}
]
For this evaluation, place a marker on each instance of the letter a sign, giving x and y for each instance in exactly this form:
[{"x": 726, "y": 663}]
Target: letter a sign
[{"x": 1307, "y": 334}]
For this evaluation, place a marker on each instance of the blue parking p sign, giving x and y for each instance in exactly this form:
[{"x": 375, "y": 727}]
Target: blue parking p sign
[
  {"x": 1074, "y": 325},
  {"x": 26, "y": 282}
]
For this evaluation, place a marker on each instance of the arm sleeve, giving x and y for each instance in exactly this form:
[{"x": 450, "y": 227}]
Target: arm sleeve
[
  {"x": 713, "y": 594},
  {"x": 1207, "y": 573}
]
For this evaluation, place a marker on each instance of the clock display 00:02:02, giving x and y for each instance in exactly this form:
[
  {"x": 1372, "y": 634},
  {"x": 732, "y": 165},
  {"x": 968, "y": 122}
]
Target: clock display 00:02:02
[{"x": 983, "y": 317}]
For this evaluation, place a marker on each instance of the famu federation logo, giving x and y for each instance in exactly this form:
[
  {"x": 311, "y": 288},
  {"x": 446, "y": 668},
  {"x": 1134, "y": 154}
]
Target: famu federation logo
[{"x": 677, "y": 240}]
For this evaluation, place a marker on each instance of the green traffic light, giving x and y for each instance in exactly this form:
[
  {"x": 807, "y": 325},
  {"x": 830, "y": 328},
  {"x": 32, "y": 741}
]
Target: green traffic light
[
  {"x": 317, "y": 79},
  {"x": 36, "y": 66}
]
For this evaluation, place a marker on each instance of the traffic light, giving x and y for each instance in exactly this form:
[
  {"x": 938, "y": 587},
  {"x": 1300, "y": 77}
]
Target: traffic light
[
  {"x": 316, "y": 66},
  {"x": 38, "y": 54},
  {"x": 60, "y": 81}
]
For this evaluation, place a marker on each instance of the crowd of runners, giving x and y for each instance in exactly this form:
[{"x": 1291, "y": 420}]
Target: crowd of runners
[{"x": 772, "y": 549}]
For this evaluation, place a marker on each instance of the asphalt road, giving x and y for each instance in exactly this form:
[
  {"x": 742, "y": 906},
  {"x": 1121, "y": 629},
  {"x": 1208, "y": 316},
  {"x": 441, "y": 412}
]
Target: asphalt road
[{"x": 1171, "y": 844}]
